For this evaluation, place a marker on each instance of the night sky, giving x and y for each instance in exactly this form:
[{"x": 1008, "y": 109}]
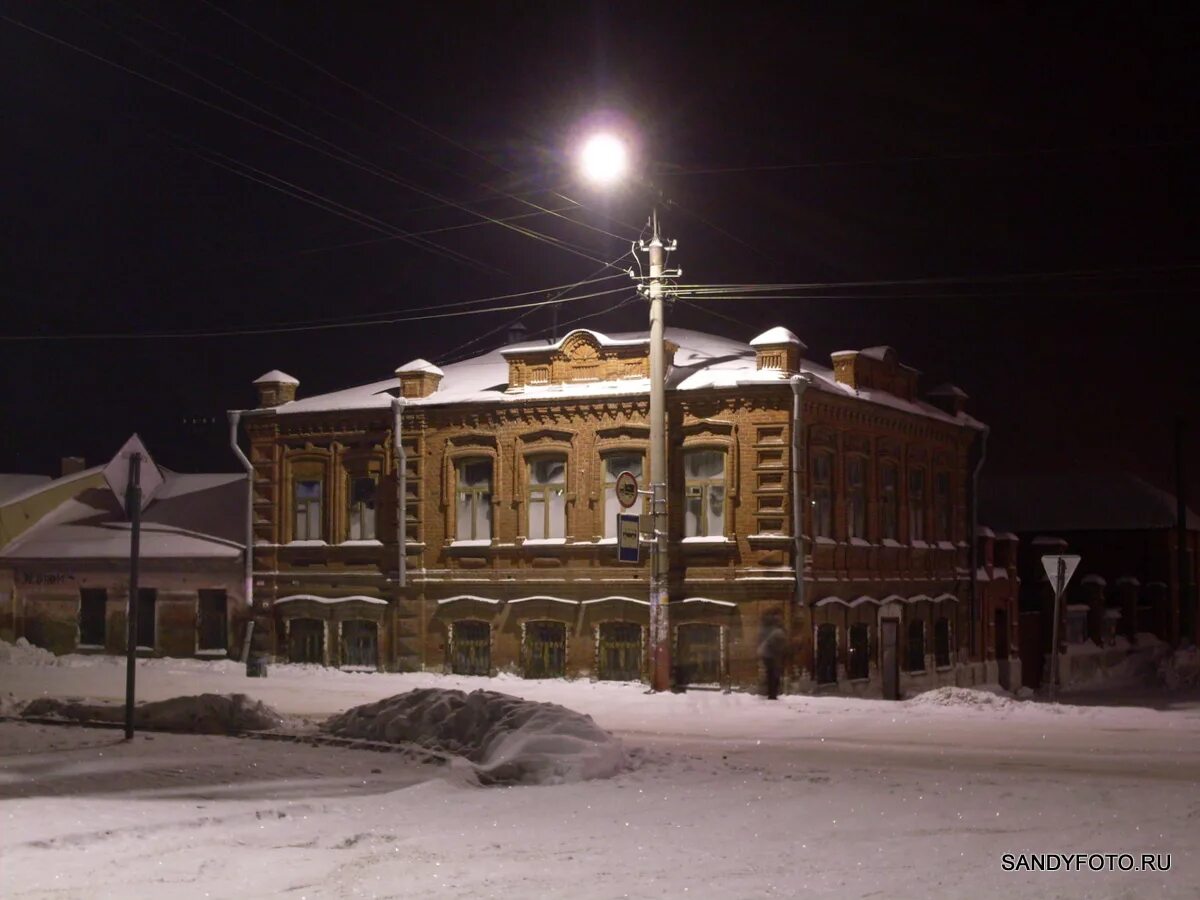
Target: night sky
[{"x": 148, "y": 148}]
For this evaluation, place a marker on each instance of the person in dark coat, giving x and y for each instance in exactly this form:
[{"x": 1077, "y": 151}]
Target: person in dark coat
[{"x": 772, "y": 649}]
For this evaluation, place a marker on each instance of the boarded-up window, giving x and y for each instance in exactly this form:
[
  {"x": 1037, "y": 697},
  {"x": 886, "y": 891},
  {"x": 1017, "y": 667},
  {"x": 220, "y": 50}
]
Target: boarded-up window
[
  {"x": 306, "y": 641},
  {"x": 93, "y": 607},
  {"x": 699, "y": 653},
  {"x": 859, "y": 664},
  {"x": 470, "y": 648},
  {"x": 360, "y": 644},
  {"x": 620, "y": 651},
  {"x": 212, "y": 620},
  {"x": 545, "y": 650}
]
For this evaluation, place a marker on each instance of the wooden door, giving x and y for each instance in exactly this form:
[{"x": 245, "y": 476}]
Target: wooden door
[{"x": 889, "y": 657}]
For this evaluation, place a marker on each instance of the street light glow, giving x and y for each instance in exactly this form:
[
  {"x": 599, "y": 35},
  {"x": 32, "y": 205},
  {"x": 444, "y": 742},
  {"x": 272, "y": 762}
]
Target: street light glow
[{"x": 604, "y": 158}]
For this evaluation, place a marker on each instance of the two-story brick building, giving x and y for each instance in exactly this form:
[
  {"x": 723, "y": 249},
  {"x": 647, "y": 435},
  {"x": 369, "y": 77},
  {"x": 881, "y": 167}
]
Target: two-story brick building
[{"x": 835, "y": 496}]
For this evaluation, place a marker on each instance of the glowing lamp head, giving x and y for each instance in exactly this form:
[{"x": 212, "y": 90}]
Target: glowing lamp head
[{"x": 604, "y": 159}]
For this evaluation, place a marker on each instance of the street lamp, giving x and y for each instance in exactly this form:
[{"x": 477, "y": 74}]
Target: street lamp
[{"x": 604, "y": 161}]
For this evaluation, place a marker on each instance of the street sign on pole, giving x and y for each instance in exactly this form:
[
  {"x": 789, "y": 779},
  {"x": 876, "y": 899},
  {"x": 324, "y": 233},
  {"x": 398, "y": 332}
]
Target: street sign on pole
[
  {"x": 628, "y": 538},
  {"x": 133, "y": 504},
  {"x": 627, "y": 489},
  {"x": 1059, "y": 569}
]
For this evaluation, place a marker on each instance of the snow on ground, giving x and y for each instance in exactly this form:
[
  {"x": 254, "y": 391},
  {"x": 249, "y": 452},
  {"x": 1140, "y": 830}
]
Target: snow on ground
[
  {"x": 200, "y": 714},
  {"x": 729, "y": 795}
]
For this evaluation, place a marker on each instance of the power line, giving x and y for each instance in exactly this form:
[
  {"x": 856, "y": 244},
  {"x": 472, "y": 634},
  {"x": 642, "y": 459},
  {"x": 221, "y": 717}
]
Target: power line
[
  {"x": 244, "y": 332},
  {"x": 940, "y": 157}
]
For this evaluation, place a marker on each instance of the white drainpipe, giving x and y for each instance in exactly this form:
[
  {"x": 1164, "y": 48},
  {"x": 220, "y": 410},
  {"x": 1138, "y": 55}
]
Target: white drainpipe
[
  {"x": 398, "y": 404},
  {"x": 235, "y": 417}
]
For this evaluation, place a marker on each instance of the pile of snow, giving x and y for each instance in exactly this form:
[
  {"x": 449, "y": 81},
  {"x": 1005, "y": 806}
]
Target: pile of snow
[
  {"x": 992, "y": 698},
  {"x": 506, "y": 739},
  {"x": 10, "y": 705},
  {"x": 1181, "y": 669},
  {"x": 201, "y": 714},
  {"x": 23, "y": 653}
]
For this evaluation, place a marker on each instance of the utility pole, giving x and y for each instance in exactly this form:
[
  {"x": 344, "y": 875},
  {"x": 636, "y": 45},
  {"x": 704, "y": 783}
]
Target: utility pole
[
  {"x": 660, "y": 644},
  {"x": 133, "y": 505},
  {"x": 1184, "y": 623}
]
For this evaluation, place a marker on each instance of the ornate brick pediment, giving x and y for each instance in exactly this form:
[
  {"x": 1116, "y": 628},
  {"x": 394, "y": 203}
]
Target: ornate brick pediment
[{"x": 581, "y": 357}]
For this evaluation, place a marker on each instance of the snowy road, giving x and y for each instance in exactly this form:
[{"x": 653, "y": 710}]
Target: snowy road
[{"x": 730, "y": 796}]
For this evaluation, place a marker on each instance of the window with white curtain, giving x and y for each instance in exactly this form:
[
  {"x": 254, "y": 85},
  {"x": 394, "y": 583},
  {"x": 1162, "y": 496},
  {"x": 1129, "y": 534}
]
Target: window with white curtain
[
  {"x": 547, "y": 497},
  {"x": 473, "y": 500},
  {"x": 704, "y": 493},
  {"x": 307, "y": 507},
  {"x": 363, "y": 490},
  {"x": 614, "y": 465}
]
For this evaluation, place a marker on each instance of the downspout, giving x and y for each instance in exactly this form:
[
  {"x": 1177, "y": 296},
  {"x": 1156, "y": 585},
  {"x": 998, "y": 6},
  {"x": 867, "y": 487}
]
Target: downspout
[
  {"x": 398, "y": 404},
  {"x": 799, "y": 384},
  {"x": 983, "y": 436},
  {"x": 235, "y": 417}
]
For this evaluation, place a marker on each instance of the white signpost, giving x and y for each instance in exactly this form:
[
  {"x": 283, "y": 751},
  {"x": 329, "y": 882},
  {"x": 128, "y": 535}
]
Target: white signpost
[{"x": 1059, "y": 569}]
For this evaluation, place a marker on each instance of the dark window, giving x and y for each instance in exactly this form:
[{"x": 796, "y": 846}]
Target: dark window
[
  {"x": 363, "y": 489},
  {"x": 916, "y": 505},
  {"x": 306, "y": 641},
  {"x": 941, "y": 500},
  {"x": 147, "y": 600},
  {"x": 856, "y": 497},
  {"x": 822, "y": 495},
  {"x": 213, "y": 623},
  {"x": 699, "y": 652},
  {"x": 888, "y": 504},
  {"x": 470, "y": 648},
  {"x": 916, "y": 646},
  {"x": 859, "y": 665},
  {"x": 941, "y": 642},
  {"x": 360, "y": 644},
  {"x": 545, "y": 650},
  {"x": 620, "y": 651},
  {"x": 93, "y": 608},
  {"x": 826, "y": 654}
]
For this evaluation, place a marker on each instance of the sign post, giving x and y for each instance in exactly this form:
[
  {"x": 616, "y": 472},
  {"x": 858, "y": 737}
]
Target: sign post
[
  {"x": 1059, "y": 569},
  {"x": 628, "y": 531},
  {"x": 133, "y": 504}
]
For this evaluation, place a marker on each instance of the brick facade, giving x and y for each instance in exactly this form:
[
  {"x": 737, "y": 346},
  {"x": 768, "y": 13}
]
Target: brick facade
[{"x": 542, "y": 592}]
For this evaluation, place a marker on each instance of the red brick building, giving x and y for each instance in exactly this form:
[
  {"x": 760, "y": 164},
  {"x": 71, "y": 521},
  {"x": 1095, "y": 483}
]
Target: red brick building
[{"x": 837, "y": 497}]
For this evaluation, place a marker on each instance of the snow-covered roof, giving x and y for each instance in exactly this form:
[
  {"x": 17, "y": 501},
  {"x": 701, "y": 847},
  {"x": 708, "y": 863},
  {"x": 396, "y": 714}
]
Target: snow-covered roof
[
  {"x": 702, "y": 361},
  {"x": 276, "y": 377},
  {"x": 421, "y": 365},
  {"x": 16, "y": 485},
  {"x": 1079, "y": 502},
  {"x": 604, "y": 340},
  {"x": 776, "y": 335},
  {"x": 360, "y": 598},
  {"x": 36, "y": 487},
  {"x": 191, "y": 516},
  {"x": 948, "y": 390}
]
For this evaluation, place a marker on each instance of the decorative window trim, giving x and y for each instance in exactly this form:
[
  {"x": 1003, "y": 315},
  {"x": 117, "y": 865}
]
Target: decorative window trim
[{"x": 450, "y": 489}]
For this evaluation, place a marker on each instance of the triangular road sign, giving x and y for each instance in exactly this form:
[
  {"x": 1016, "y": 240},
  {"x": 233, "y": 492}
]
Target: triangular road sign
[{"x": 1050, "y": 563}]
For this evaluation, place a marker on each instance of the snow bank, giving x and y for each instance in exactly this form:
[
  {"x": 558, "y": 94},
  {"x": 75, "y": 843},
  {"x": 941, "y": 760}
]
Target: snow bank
[
  {"x": 201, "y": 714},
  {"x": 1181, "y": 669},
  {"x": 974, "y": 698},
  {"x": 508, "y": 740},
  {"x": 23, "y": 653}
]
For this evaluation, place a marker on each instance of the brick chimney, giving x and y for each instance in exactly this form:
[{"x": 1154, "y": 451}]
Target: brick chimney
[
  {"x": 949, "y": 399},
  {"x": 777, "y": 349},
  {"x": 72, "y": 464},
  {"x": 875, "y": 368},
  {"x": 275, "y": 388},
  {"x": 419, "y": 378}
]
